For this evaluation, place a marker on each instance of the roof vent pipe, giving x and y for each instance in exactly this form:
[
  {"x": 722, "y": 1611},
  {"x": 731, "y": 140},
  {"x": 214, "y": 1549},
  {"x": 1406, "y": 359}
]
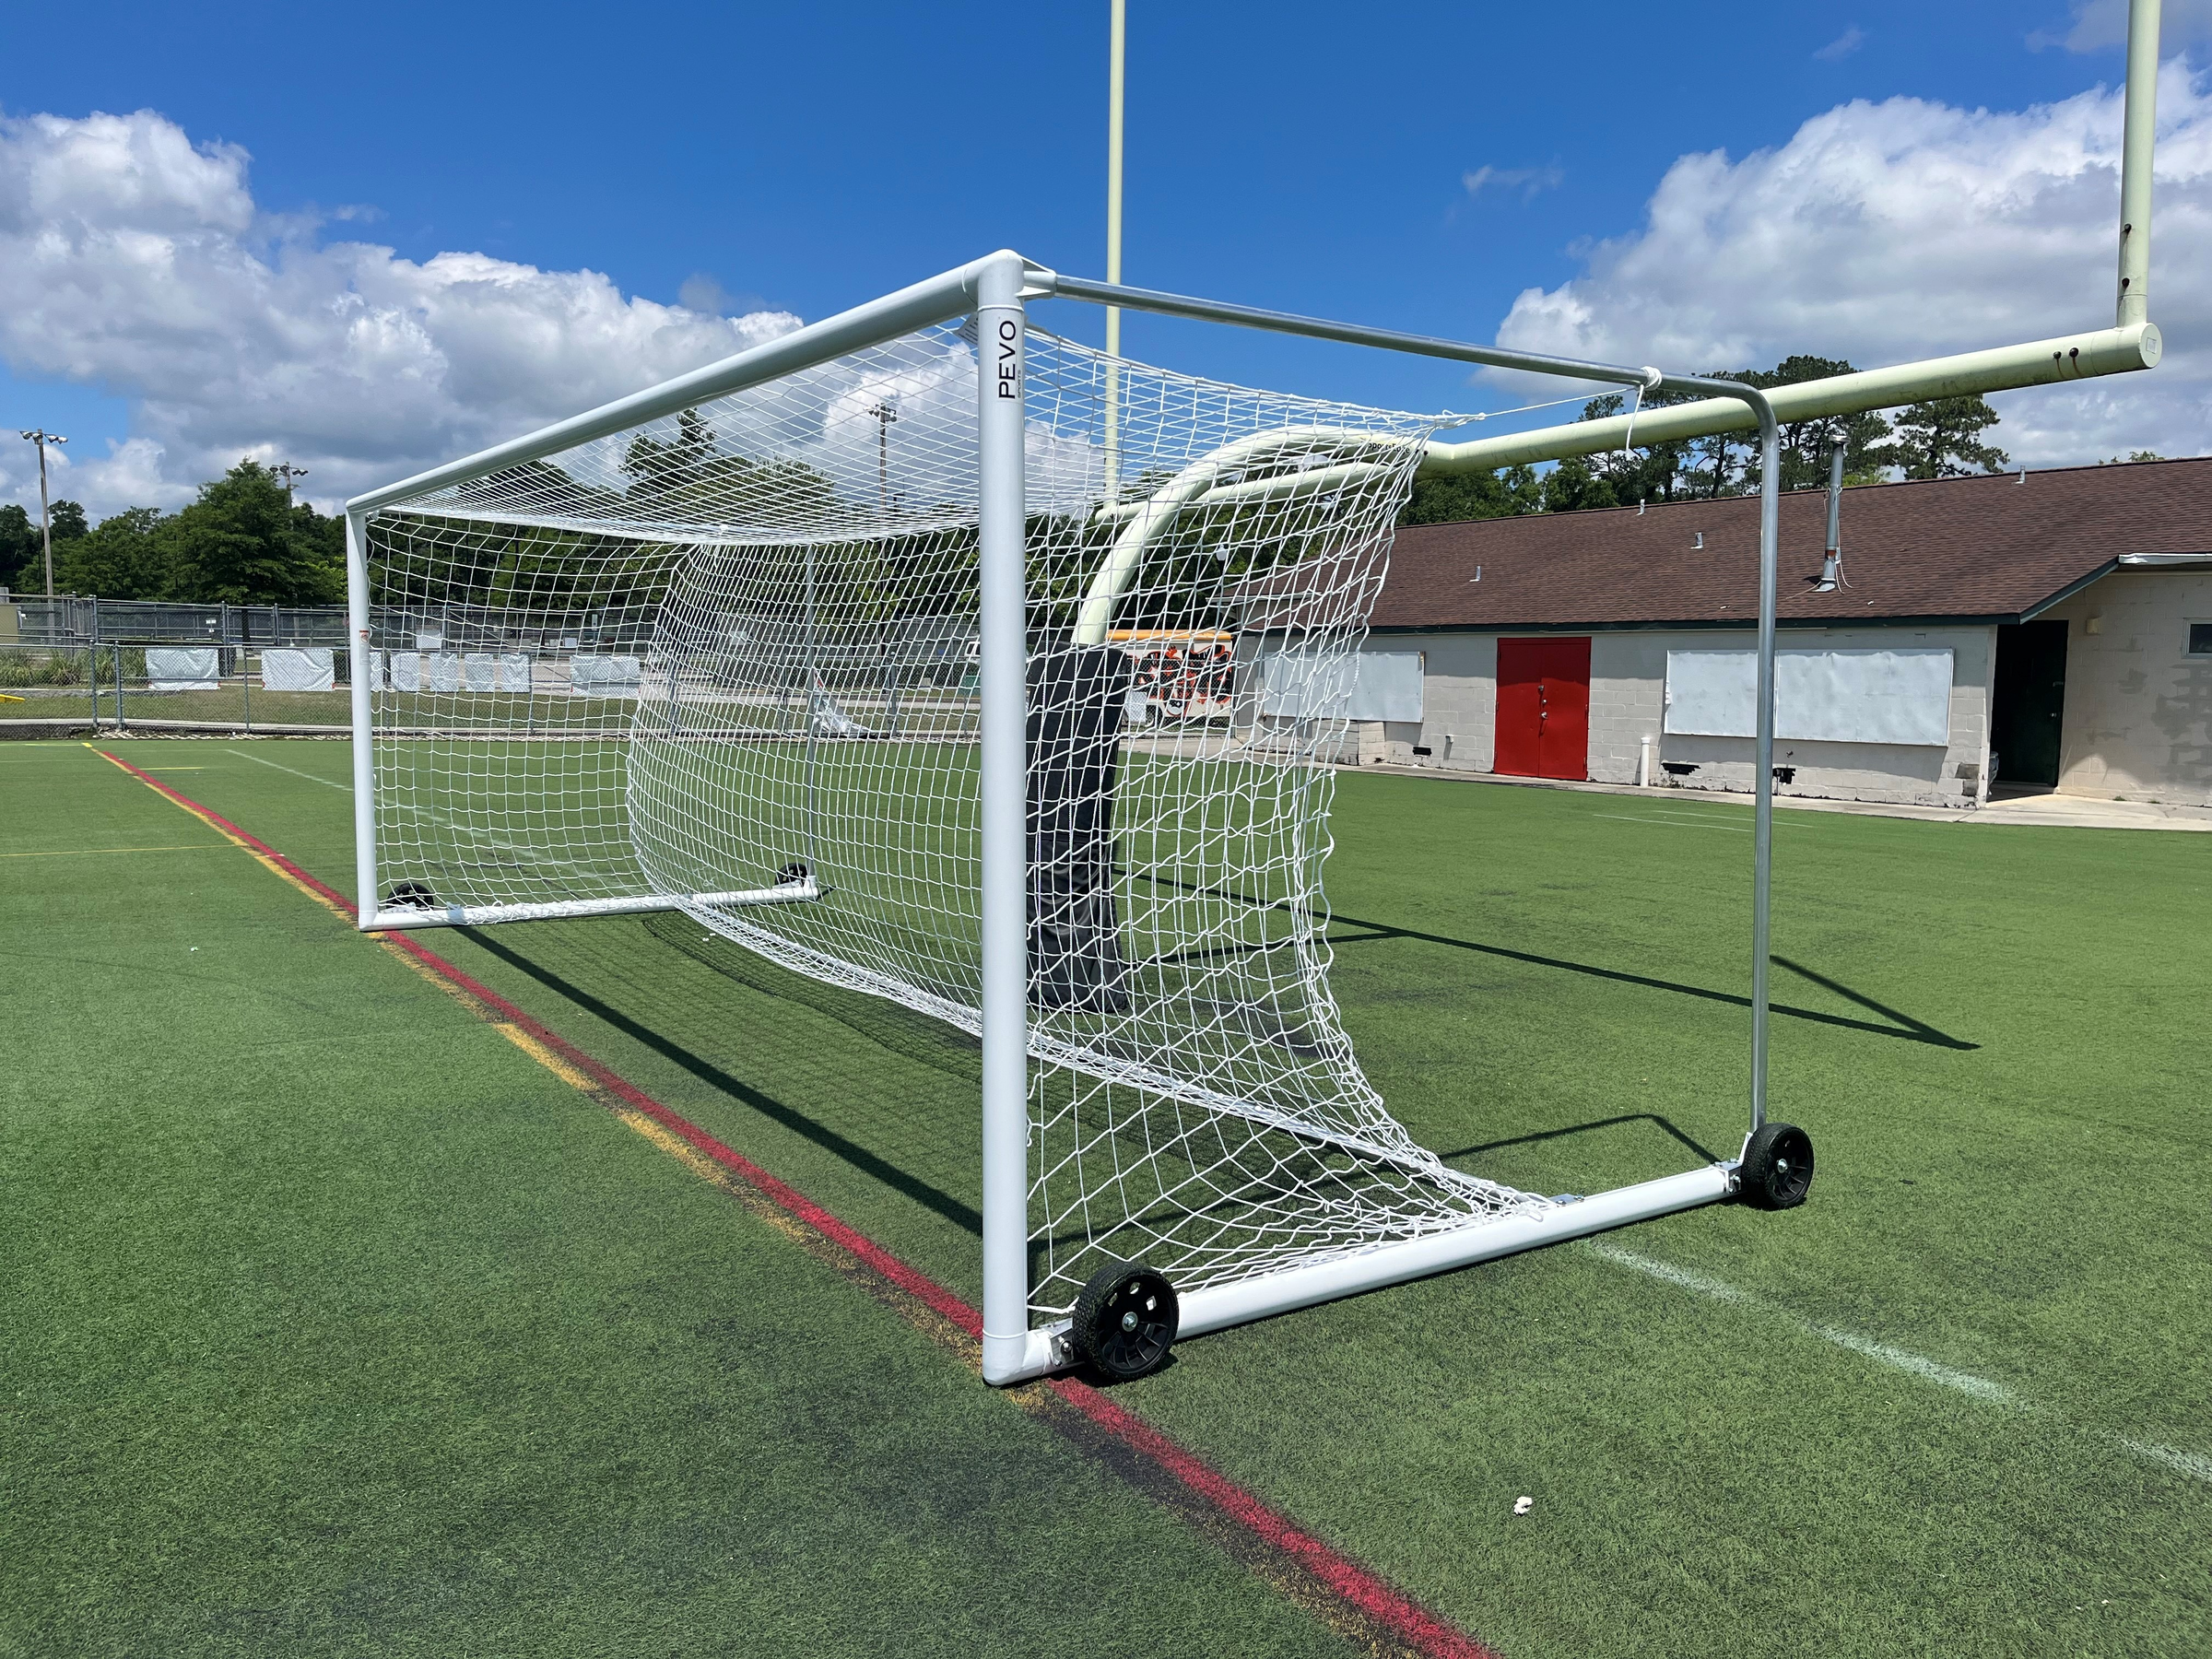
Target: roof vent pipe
[
  {"x": 1831, "y": 568},
  {"x": 2140, "y": 126}
]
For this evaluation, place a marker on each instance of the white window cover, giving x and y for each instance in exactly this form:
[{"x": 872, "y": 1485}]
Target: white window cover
[
  {"x": 307, "y": 668},
  {"x": 495, "y": 671},
  {"x": 182, "y": 668},
  {"x": 1889, "y": 694},
  {"x": 426, "y": 671},
  {"x": 605, "y": 675},
  {"x": 1375, "y": 684}
]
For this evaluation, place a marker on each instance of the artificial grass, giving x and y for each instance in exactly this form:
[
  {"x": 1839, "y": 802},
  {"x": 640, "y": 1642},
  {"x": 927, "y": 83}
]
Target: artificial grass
[
  {"x": 1995, "y": 1043},
  {"x": 336, "y": 1325}
]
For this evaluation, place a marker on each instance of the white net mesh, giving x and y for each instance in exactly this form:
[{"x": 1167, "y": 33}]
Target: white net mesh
[{"x": 729, "y": 657}]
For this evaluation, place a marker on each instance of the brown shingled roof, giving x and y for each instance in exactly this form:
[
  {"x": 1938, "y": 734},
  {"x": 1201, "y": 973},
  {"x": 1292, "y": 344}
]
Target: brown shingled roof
[{"x": 1988, "y": 547}]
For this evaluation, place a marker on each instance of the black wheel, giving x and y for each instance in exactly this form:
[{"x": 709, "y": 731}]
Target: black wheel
[
  {"x": 1126, "y": 1321},
  {"x": 793, "y": 875},
  {"x": 1777, "y": 1169},
  {"x": 411, "y": 895}
]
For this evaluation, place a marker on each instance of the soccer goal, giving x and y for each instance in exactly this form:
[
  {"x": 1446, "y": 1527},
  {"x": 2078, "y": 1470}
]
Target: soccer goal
[{"x": 853, "y": 649}]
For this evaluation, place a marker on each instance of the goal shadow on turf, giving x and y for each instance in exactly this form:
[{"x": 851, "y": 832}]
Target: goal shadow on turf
[
  {"x": 605, "y": 967},
  {"x": 1664, "y": 1124},
  {"x": 1900, "y": 1024}
]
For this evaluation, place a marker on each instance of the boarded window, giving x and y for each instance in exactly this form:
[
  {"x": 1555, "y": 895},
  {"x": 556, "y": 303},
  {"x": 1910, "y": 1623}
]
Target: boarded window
[{"x": 1899, "y": 694}]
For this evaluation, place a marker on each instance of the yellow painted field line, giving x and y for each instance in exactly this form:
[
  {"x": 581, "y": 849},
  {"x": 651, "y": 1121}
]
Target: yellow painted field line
[
  {"x": 223, "y": 830},
  {"x": 544, "y": 1056}
]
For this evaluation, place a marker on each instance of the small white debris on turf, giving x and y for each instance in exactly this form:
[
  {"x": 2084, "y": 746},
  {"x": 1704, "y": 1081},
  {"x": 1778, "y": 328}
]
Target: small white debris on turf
[{"x": 1523, "y": 1504}]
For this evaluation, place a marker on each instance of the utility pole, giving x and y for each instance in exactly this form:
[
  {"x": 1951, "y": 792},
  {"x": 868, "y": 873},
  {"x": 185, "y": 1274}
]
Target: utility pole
[
  {"x": 42, "y": 438},
  {"x": 884, "y": 415},
  {"x": 287, "y": 472}
]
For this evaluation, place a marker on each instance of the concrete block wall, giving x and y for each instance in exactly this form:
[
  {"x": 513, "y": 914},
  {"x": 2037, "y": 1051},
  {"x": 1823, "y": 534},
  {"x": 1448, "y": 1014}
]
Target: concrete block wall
[
  {"x": 2138, "y": 711},
  {"x": 1459, "y": 704},
  {"x": 1627, "y": 682}
]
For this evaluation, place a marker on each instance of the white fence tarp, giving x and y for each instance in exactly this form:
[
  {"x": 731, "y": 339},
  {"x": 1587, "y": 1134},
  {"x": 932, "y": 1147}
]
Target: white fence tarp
[
  {"x": 1375, "y": 684},
  {"x": 182, "y": 668},
  {"x": 426, "y": 671},
  {"x": 605, "y": 675},
  {"x": 305, "y": 669},
  {"x": 1898, "y": 694},
  {"x": 495, "y": 671}
]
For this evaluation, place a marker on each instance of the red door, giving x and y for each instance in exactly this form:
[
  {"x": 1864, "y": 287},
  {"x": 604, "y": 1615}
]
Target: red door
[{"x": 1544, "y": 708}]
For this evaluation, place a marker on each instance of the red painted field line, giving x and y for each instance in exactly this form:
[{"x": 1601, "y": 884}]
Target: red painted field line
[{"x": 1374, "y": 1597}]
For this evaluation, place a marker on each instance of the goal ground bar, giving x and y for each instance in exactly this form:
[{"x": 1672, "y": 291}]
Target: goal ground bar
[
  {"x": 1217, "y": 1307},
  {"x": 485, "y": 915}
]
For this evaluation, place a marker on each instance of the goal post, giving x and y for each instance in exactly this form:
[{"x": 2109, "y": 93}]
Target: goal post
[
  {"x": 1002, "y": 336},
  {"x": 828, "y": 649}
]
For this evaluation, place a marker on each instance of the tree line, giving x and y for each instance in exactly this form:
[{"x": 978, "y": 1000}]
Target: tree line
[
  {"x": 239, "y": 541},
  {"x": 1943, "y": 438}
]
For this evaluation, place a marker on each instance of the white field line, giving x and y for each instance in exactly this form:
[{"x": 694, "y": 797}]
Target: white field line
[
  {"x": 1881, "y": 1353},
  {"x": 2194, "y": 1464},
  {"x": 263, "y": 760},
  {"x": 484, "y": 836},
  {"x": 1622, "y": 817}
]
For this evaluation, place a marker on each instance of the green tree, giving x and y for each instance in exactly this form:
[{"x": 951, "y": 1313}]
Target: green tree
[
  {"x": 1942, "y": 438},
  {"x": 237, "y": 543},
  {"x": 23, "y": 546},
  {"x": 1454, "y": 498},
  {"x": 129, "y": 556},
  {"x": 1867, "y": 448},
  {"x": 18, "y": 549},
  {"x": 69, "y": 521},
  {"x": 1576, "y": 484}
]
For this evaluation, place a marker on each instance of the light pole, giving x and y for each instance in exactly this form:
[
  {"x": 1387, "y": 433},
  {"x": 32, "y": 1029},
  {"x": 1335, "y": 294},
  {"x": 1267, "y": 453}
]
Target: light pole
[
  {"x": 1115, "y": 57},
  {"x": 42, "y": 438},
  {"x": 885, "y": 413},
  {"x": 287, "y": 472}
]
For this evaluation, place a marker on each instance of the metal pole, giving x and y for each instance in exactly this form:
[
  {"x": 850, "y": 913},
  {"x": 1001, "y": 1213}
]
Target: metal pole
[
  {"x": 942, "y": 296},
  {"x": 45, "y": 517},
  {"x": 1116, "y": 58},
  {"x": 814, "y": 716},
  {"x": 1762, "y": 834},
  {"x": 2133, "y": 304},
  {"x": 364, "y": 760},
  {"x": 1003, "y": 793}
]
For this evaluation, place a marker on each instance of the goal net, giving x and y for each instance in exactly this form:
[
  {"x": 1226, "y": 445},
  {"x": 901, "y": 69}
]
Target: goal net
[{"x": 728, "y": 661}]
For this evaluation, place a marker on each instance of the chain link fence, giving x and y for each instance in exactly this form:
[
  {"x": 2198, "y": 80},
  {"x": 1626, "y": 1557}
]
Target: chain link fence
[{"x": 70, "y": 664}]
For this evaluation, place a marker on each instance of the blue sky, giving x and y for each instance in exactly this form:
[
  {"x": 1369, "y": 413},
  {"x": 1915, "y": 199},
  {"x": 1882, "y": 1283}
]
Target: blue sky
[{"x": 797, "y": 160}]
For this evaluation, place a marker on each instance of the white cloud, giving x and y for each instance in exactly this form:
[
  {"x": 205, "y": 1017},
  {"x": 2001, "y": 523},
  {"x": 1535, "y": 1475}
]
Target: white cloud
[
  {"x": 2101, "y": 23},
  {"x": 1904, "y": 229},
  {"x": 134, "y": 261},
  {"x": 1843, "y": 46},
  {"x": 1526, "y": 180}
]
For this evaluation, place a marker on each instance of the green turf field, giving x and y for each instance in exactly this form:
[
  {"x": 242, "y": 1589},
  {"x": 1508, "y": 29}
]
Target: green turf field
[{"x": 338, "y": 1325}]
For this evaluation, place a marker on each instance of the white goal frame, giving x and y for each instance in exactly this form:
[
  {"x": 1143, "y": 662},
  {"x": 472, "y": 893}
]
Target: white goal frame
[{"x": 995, "y": 291}]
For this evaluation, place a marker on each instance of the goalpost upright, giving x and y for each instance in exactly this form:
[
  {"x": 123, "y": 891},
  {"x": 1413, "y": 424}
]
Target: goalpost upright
[{"x": 1001, "y": 339}]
